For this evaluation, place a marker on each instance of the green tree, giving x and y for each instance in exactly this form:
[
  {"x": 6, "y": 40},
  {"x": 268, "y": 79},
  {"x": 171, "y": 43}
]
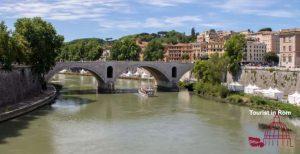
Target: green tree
[
  {"x": 185, "y": 56},
  {"x": 193, "y": 35},
  {"x": 154, "y": 51},
  {"x": 265, "y": 29},
  {"x": 212, "y": 70},
  {"x": 6, "y": 55},
  {"x": 125, "y": 49},
  {"x": 193, "y": 32},
  {"x": 271, "y": 58},
  {"x": 204, "y": 57},
  {"x": 43, "y": 44},
  {"x": 234, "y": 50},
  {"x": 89, "y": 49}
]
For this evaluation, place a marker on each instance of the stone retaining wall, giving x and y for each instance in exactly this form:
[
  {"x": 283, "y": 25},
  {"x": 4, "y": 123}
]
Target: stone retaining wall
[
  {"x": 287, "y": 81},
  {"x": 18, "y": 84},
  {"x": 47, "y": 97}
]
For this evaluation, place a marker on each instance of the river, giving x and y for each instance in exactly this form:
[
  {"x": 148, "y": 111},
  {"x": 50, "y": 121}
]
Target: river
[{"x": 82, "y": 121}]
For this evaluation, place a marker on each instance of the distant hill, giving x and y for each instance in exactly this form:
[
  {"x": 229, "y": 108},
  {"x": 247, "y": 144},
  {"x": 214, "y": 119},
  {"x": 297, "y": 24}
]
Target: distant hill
[
  {"x": 101, "y": 41},
  {"x": 173, "y": 37}
]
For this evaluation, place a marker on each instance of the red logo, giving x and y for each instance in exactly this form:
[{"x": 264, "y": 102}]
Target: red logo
[
  {"x": 256, "y": 142},
  {"x": 277, "y": 133}
]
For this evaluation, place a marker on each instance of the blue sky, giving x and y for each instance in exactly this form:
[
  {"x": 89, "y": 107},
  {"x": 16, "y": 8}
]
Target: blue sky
[{"x": 115, "y": 18}]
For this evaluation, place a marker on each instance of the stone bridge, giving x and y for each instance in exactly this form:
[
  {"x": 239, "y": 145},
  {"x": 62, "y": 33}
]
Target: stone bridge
[{"x": 166, "y": 74}]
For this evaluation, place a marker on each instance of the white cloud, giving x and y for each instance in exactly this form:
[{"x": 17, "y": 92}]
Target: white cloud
[
  {"x": 255, "y": 7},
  {"x": 164, "y": 22},
  {"x": 62, "y": 10},
  {"x": 165, "y": 3}
]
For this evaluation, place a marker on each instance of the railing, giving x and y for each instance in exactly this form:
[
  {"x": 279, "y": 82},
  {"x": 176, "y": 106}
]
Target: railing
[
  {"x": 127, "y": 61},
  {"x": 274, "y": 68}
]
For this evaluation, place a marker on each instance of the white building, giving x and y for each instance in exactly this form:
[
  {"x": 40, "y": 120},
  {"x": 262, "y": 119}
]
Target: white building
[
  {"x": 290, "y": 48},
  {"x": 271, "y": 39}
]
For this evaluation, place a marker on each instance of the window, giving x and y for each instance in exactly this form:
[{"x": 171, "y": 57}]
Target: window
[
  {"x": 284, "y": 59},
  {"x": 174, "y": 72},
  {"x": 110, "y": 71},
  {"x": 290, "y": 48},
  {"x": 283, "y": 48},
  {"x": 290, "y": 58}
]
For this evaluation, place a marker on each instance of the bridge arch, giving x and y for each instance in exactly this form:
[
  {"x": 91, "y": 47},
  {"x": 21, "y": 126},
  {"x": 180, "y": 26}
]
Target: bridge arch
[
  {"x": 57, "y": 69},
  {"x": 158, "y": 74}
]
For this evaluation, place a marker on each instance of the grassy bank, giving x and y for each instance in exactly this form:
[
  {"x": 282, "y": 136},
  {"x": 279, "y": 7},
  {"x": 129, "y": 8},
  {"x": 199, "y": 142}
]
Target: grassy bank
[{"x": 220, "y": 93}]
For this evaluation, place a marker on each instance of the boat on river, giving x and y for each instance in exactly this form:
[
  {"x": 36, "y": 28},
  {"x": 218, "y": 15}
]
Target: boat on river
[{"x": 147, "y": 92}]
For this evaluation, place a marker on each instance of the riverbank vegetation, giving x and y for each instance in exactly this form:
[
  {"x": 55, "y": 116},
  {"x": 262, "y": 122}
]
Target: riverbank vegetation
[{"x": 259, "y": 102}]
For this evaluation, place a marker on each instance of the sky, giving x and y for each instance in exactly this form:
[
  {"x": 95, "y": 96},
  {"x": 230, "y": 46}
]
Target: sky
[{"x": 115, "y": 18}]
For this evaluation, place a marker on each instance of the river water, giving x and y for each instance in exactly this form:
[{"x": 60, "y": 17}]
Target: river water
[{"x": 82, "y": 121}]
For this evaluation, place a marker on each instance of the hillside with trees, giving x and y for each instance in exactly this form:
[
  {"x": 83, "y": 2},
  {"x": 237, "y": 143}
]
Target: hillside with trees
[
  {"x": 168, "y": 37},
  {"x": 125, "y": 49},
  {"x": 88, "y": 49}
]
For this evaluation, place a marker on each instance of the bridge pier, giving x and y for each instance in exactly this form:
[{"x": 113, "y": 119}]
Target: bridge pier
[
  {"x": 167, "y": 87},
  {"x": 106, "y": 88}
]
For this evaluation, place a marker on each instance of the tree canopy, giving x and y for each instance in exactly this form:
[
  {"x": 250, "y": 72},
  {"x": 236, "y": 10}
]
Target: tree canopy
[
  {"x": 265, "y": 29},
  {"x": 271, "y": 58},
  {"x": 185, "y": 56},
  {"x": 172, "y": 37},
  {"x": 234, "y": 50},
  {"x": 154, "y": 51},
  {"x": 88, "y": 49},
  {"x": 125, "y": 49},
  {"x": 42, "y": 40},
  {"x": 34, "y": 42},
  {"x": 5, "y": 47},
  {"x": 211, "y": 70}
]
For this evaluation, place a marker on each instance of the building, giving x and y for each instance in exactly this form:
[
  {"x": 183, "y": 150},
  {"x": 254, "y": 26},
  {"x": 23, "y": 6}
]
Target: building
[
  {"x": 248, "y": 33},
  {"x": 290, "y": 48},
  {"x": 212, "y": 42},
  {"x": 199, "y": 50},
  {"x": 207, "y": 36},
  {"x": 215, "y": 47},
  {"x": 176, "y": 52},
  {"x": 271, "y": 39},
  {"x": 254, "y": 52}
]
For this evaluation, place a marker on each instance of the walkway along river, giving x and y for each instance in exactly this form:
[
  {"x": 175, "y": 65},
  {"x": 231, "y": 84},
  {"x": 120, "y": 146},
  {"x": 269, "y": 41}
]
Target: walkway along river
[{"x": 82, "y": 121}]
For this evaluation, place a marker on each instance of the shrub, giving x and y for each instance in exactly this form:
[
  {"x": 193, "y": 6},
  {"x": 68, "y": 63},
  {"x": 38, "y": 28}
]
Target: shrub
[
  {"x": 223, "y": 91},
  {"x": 258, "y": 100},
  {"x": 211, "y": 89},
  {"x": 187, "y": 85}
]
